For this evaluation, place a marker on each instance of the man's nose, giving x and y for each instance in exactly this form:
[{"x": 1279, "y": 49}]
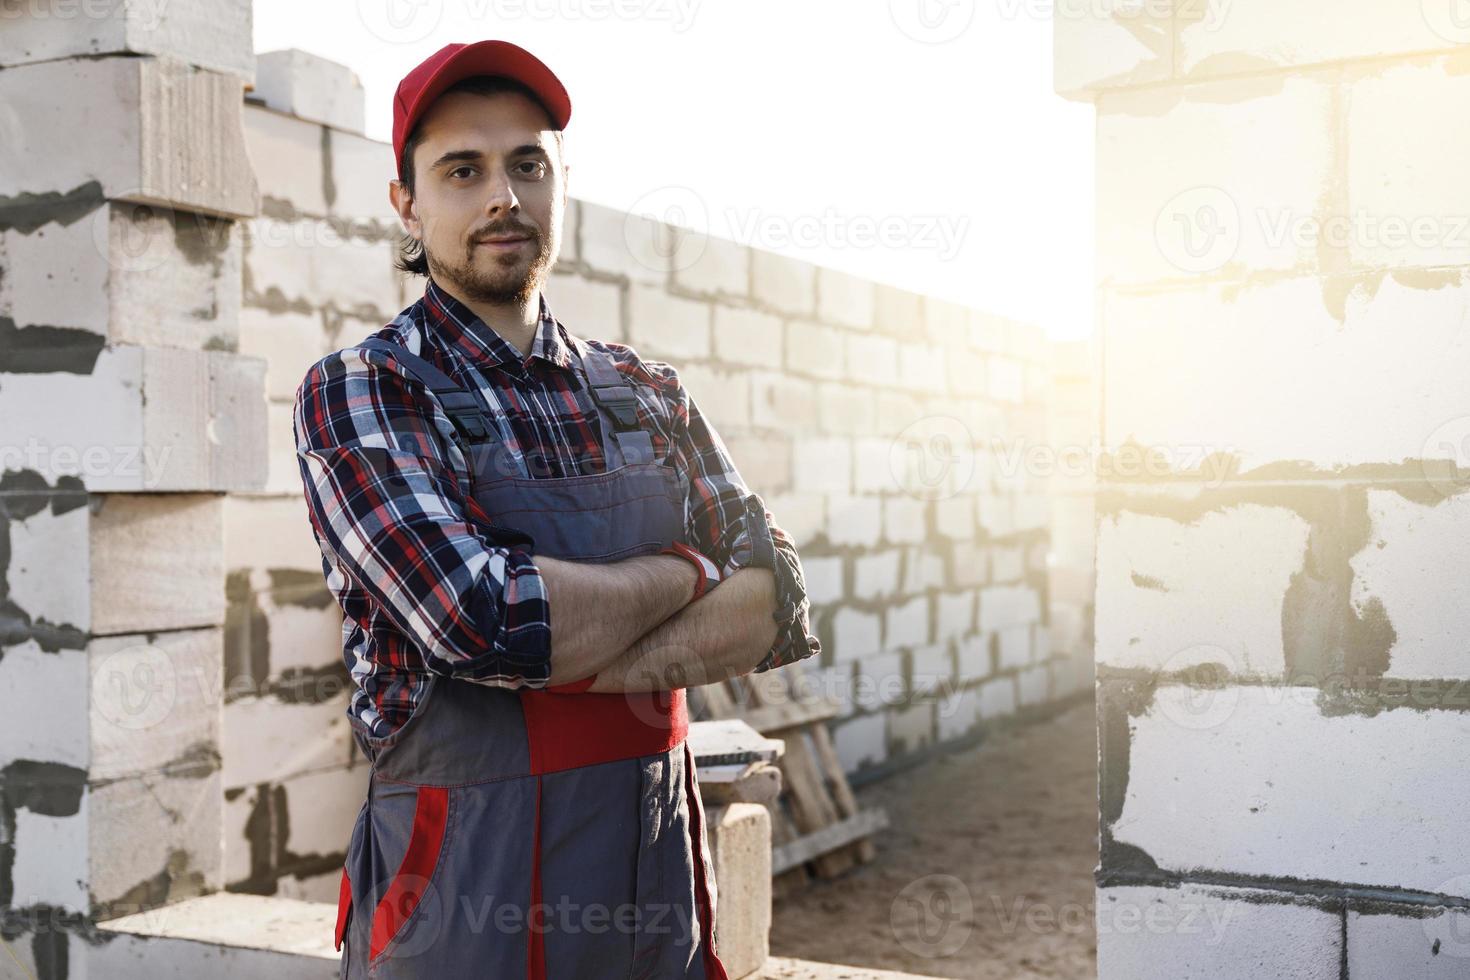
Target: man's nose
[{"x": 502, "y": 197}]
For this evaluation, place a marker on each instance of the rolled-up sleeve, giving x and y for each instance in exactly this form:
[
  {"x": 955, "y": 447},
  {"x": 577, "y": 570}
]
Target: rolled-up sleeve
[
  {"x": 377, "y": 456},
  {"x": 729, "y": 522}
]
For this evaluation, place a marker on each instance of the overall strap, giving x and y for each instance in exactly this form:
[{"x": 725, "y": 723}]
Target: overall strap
[
  {"x": 618, "y": 405},
  {"x": 461, "y": 407}
]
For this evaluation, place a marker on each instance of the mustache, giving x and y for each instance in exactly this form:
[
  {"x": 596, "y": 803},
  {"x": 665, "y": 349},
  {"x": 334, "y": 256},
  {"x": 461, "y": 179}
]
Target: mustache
[{"x": 486, "y": 234}]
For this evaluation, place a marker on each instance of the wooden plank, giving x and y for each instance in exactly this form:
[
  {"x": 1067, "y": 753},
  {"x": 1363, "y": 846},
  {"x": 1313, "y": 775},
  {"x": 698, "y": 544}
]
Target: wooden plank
[
  {"x": 815, "y": 794},
  {"x": 827, "y": 840},
  {"x": 783, "y": 829},
  {"x": 842, "y": 794},
  {"x": 831, "y": 768},
  {"x": 770, "y": 687},
  {"x": 778, "y": 717},
  {"x": 812, "y": 805}
]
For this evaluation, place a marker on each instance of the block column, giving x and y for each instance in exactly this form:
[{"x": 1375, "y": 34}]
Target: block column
[
  {"x": 1283, "y": 516},
  {"x": 126, "y": 413}
]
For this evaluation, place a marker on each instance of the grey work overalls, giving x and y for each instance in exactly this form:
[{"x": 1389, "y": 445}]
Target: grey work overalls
[{"x": 489, "y": 802}]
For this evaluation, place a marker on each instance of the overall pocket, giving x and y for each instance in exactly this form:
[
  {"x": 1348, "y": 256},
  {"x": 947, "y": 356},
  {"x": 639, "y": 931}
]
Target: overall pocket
[{"x": 410, "y": 914}]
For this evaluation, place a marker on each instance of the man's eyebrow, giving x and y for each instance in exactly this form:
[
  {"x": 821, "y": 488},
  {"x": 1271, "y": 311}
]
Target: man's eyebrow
[{"x": 458, "y": 156}]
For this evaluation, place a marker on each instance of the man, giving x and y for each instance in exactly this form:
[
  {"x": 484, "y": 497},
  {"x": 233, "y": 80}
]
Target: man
[{"x": 538, "y": 543}]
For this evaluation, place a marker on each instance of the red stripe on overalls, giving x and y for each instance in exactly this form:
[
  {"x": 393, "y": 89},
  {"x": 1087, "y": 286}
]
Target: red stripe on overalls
[
  {"x": 536, "y": 937},
  {"x": 713, "y": 968},
  {"x": 344, "y": 903},
  {"x": 429, "y": 818}
]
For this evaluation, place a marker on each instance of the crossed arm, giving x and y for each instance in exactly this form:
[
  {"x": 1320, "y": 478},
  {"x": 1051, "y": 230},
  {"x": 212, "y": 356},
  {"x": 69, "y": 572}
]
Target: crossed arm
[{"x": 632, "y": 623}]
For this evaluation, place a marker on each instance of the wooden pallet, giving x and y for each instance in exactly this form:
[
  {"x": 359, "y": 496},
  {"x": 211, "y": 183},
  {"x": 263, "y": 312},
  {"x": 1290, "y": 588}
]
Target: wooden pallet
[{"x": 816, "y": 827}]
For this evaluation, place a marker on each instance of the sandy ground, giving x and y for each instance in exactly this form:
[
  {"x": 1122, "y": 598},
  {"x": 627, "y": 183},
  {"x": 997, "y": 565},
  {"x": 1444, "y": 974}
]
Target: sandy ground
[{"x": 985, "y": 871}]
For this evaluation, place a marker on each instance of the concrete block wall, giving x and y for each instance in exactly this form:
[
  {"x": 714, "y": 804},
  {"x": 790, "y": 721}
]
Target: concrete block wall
[
  {"x": 317, "y": 275},
  {"x": 127, "y": 413},
  {"x": 1283, "y": 246},
  {"x": 1072, "y": 415}
]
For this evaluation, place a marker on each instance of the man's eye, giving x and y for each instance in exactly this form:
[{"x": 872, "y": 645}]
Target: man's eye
[
  {"x": 536, "y": 168},
  {"x": 461, "y": 170}
]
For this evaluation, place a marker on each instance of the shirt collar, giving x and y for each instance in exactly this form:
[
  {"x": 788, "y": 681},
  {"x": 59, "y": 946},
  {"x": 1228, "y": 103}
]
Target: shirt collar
[{"x": 460, "y": 328}]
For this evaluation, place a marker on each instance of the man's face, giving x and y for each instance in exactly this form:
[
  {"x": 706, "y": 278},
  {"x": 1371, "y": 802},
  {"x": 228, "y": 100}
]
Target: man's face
[{"x": 487, "y": 167}]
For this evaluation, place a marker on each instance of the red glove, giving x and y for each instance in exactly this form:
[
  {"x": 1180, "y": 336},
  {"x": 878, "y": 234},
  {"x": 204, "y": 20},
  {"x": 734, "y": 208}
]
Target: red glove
[{"x": 709, "y": 572}]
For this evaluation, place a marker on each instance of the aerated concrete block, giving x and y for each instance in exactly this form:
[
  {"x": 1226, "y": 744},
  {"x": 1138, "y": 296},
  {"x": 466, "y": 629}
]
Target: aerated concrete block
[
  {"x": 739, "y": 836},
  {"x": 141, "y": 577},
  {"x": 211, "y": 34},
  {"x": 81, "y": 272},
  {"x": 1430, "y": 943},
  {"x": 310, "y": 87},
  {"x": 844, "y": 299},
  {"x": 162, "y": 133},
  {"x": 1268, "y": 781},
  {"x": 1191, "y": 932},
  {"x": 1321, "y": 400},
  {"x": 782, "y": 284},
  {"x": 1218, "y": 208},
  {"x": 713, "y": 266}
]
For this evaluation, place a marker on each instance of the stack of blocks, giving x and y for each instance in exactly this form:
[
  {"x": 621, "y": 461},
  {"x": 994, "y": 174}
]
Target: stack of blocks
[
  {"x": 318, "y": 275},
  {"x": 127, "y": 413},
  {"x": 1284, "y": 239}
]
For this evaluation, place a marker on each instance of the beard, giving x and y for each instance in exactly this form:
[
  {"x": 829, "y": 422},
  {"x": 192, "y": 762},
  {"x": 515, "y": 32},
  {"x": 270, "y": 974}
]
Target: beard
[{"x": 486, "y": 277}]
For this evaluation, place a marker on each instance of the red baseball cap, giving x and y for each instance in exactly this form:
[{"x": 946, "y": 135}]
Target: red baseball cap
[{"x": 453, "y": 62}]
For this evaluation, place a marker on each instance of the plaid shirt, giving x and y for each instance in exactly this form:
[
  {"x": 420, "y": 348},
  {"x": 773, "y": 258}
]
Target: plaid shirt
[{"x": 425, "y": 579}]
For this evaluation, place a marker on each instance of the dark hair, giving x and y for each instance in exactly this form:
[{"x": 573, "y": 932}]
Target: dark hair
[{"x": 411, "y": 257}]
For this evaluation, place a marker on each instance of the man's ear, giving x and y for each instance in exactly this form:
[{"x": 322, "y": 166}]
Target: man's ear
[{"x": 403, "y": 205}]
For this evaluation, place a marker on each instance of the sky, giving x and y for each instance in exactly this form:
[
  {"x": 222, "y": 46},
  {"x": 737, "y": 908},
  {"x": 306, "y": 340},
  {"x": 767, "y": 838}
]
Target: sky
[{"x": 914, "y": 142}]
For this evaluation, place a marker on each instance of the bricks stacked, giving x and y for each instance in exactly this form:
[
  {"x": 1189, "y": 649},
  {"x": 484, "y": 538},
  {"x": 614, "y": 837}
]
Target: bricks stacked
[
  {"x": 127, "y": 412},
  {"x": 319, "y": 275},
  {"x": 1284, "y": 235}
]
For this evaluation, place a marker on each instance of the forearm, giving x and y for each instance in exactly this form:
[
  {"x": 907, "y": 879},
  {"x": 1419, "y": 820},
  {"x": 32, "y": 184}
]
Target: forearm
[
  {"x": 599, "y": 609},
  {"x": 724, "y": 634}
]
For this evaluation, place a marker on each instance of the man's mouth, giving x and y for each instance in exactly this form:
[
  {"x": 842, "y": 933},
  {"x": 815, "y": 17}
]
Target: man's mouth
[{"x": 503, "y": 243}]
